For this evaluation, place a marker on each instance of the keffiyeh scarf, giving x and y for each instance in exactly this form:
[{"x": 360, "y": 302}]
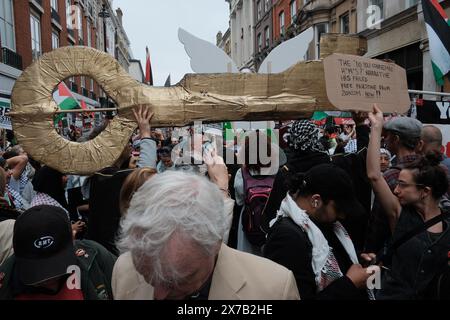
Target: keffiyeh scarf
[
  {"x": 18, "y": 201},
  {"x": 304, "y": 136},
  {"x": 324, "y": 264},
  {"x": 44, "y": 199}
]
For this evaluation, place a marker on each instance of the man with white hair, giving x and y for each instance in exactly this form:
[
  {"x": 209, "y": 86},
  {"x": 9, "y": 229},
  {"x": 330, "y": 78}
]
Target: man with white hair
[{"x": 173, "y": 234}]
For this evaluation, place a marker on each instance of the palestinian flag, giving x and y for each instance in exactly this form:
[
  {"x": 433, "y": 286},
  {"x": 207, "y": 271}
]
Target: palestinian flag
[
  {"x": 227, "y": 133},
  {"x": 438, "y": 28},
  {"x": 65, "y": 100}
]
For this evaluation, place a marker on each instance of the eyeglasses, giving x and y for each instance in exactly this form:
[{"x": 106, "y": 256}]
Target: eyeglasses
[{"x": 403, "y": 185}]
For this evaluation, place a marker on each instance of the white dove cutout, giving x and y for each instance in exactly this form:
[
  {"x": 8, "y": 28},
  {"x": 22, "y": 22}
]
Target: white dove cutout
[
  {"x": 288, "y": 53},
  {"x": 208, "y": 58},
  {"x": 205, "y": 57}
]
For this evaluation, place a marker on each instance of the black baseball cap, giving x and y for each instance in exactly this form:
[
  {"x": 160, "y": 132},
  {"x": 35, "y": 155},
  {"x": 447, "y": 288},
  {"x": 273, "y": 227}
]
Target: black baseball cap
[{"x": 43, "y": 244}]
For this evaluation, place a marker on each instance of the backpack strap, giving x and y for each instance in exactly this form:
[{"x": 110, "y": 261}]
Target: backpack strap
[
  {"x": 265, "y": 206},
  {"x": 245, "y": 177},
  {"x": 412, "y": 233}
]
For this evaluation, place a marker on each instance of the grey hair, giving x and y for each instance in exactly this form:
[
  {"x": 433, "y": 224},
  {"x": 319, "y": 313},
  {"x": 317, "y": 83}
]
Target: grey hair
[{"x": 172, "y": 202}]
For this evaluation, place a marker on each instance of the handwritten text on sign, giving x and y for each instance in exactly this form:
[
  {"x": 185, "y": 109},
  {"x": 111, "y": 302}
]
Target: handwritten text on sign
[
  {"x": 357, "y": 78},
  {"x": 355, "y": 83}
]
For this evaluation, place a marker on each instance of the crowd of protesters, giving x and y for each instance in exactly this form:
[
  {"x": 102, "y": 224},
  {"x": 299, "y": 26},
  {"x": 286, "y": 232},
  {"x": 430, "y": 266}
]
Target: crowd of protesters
[{"x": 358, "y": 211}]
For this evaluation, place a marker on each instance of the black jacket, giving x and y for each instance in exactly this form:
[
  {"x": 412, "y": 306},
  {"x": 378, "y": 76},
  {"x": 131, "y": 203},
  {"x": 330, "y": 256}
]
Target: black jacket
[
  {"x": 288, "y": 245},
  {"x": 96, "y": 268},
  {"x": 355, "y": 166},
  {"x": 104, "y": 212}
]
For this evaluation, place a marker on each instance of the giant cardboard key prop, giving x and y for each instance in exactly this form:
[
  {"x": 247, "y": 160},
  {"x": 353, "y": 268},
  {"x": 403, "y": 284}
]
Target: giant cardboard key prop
[{"x": 295, "y": 93}]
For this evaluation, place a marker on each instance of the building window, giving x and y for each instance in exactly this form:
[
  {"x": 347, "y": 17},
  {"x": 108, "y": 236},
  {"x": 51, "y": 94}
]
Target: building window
[
  {"x": 91, "y": 86},
  {"x": 259, "y": 10},
  {"x": 110, "y": 40},
  {"x": 267, "y": 36},
  {"x": 319, "y": 29},
  {"x": 281, "y": 19},
  {"x": 7, "y": 36},
  {"x": 410, "y": 3},
  {"x": 266, "y": 5},
  {"x": 345, "y": 23},
  {"x": 69, "y": 14},
  {"x": 89, "y": 34},
  {"x": 55, "y": 40},
  {"x": 80, "y": 22},
  {"x": 380, "y": 5},
  {"x": 35, "y": 24},
  {"x": 54, "y": 4},
  {"x": 293, "y": 11},
  {"x": 259, "y": 42},
  {"x": 83, "y": 81}
]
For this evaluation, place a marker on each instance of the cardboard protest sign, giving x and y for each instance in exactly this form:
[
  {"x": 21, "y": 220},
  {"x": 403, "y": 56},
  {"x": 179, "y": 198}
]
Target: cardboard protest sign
[
  {"x": 356, "y": 83},
  {"x": 5, "y": 121}
]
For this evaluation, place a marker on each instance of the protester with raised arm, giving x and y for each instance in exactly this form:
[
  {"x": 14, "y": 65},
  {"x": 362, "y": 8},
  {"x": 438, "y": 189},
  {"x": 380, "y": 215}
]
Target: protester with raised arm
[{"x": 418, "y": 253}]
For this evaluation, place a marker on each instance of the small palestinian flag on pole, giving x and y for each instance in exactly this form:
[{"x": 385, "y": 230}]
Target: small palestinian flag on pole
[
  {"x": 65, "y": 100},
  {"x": 438, "y": 29},
  {"x": 148, "y": 69}
]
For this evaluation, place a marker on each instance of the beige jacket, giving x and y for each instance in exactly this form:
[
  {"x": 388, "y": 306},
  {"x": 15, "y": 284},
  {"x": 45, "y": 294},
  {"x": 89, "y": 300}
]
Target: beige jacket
[
  {"x": 6, "y": 237},
  {"x": 237, "y": 276},
  {"x": 228, "y": 205}
]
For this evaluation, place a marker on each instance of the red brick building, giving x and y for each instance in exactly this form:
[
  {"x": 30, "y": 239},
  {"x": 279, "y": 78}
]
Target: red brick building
[
  {"x": 284, "y": 13},
  {"x": 263, "y": 30},
  {"x": 30, "y": 28}
]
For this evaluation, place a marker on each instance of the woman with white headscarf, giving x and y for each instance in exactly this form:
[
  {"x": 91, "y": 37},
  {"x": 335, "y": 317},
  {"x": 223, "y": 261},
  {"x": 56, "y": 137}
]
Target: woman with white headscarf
[{"x": 385, "y": 159}]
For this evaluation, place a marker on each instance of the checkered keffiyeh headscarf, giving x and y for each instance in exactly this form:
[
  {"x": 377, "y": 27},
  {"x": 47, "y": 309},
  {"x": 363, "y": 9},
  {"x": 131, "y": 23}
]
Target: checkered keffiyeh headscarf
[
  {"x": 44, "y": 199},
  {"x": 304, "y": 136},
  {"x": 17, "y": 199}
]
